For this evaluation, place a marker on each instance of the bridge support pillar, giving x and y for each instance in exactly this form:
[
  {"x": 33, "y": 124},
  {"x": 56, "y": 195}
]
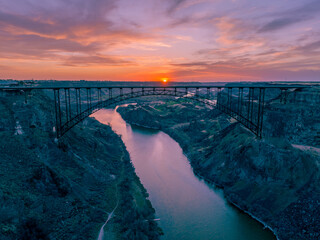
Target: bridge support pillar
[
  {"x": 219, "y": 99},
  {"x": 57, "y": 111},
  {"x": 99, "y": 96},
  {"x": 110, "y": 93}
]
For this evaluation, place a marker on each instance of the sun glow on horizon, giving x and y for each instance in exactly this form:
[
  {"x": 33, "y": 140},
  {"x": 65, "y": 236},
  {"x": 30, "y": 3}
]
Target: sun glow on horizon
[{"x": 190, "y": 40}]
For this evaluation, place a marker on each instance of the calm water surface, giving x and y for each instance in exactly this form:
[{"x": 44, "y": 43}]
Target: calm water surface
[{"x": 187, "y": 207}]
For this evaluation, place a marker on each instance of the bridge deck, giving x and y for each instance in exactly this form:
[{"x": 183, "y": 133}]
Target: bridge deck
[
  {"x": 75, "y": 101},
  {"x": 159, "y": 85}
]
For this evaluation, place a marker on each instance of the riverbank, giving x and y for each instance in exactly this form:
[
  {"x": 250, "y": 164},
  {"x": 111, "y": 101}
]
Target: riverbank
[
  {"x": 255, "y": 218},
  {"x": 213, "y": 185},
  {"x": 186, "y": 206},
  {"x": 267, "y": 178},
  {"x": 66, "y": 192}
]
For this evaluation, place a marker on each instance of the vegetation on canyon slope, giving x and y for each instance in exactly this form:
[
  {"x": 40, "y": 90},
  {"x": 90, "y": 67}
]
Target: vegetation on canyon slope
[
  {"x": 275, "y": 178},
  {"x": 47, "y": 192}
]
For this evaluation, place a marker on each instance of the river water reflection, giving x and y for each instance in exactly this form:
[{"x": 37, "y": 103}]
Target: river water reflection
[{"x": 187, "y": 207}]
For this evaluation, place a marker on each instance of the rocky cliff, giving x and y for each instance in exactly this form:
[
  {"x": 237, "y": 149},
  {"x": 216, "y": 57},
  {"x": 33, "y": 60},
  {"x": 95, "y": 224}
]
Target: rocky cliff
[
  {"x": 274, "y": 179},
  {"x": 66, "y": 192}
]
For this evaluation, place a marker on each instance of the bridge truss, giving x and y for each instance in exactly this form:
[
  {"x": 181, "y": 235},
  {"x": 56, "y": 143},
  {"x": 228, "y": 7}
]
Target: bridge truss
[{"x": 244, "y": 103}]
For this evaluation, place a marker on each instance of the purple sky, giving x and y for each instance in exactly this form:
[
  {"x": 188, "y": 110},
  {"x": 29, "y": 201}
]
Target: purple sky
[{"x": 184, "y": 40}]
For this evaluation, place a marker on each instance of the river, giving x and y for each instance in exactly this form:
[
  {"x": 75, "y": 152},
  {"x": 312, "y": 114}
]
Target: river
[{"x": 187, "y": 207}]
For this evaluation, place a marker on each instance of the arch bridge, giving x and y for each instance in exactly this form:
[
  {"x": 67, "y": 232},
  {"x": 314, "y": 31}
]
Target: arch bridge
[{"x": 245, "y": 103}]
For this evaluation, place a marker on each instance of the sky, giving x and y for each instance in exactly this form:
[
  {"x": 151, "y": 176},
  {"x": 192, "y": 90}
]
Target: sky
[{"x": 146, "y": 40}]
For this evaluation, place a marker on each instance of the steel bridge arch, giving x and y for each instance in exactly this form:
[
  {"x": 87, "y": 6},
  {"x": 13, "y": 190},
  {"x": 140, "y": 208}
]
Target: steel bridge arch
[
  {"x": 206, "y": 99},
  {"x": 120, "y": 98}
]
